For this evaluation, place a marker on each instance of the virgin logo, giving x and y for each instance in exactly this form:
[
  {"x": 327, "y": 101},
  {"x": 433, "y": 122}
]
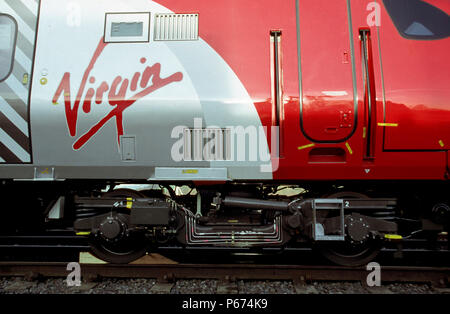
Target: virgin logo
[{"x": 149, "y": 81}]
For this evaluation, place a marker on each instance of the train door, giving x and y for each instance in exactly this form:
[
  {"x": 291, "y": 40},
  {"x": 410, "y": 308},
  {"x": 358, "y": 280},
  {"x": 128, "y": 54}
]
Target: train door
[
  {"x": 18, "y": 23},
  {"x": 416, "y": 74},
  {"x": 328, "y": 101}
]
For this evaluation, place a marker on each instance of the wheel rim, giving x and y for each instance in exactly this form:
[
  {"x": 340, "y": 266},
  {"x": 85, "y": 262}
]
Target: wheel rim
[
  {"x": 125, "y": 250},
  {"x": 345, "y": 253},
  {"x": 120, "y": 253}
]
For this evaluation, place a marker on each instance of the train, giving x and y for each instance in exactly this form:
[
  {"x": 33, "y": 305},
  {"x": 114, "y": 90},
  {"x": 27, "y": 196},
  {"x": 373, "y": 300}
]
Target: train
[{"x": 232, "y": 124}]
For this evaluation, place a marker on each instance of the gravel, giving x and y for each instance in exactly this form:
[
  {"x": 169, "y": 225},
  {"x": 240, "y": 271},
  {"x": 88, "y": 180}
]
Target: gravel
[
  {"x": 266, "y": 287},
  {"x": 195, "y": 287},
  {"x": 18, "y": 285}
]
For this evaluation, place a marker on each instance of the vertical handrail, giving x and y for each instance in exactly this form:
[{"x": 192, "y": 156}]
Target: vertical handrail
[
  {"x": 275, "y": 37},
  {"x": 369, "y": 93}
]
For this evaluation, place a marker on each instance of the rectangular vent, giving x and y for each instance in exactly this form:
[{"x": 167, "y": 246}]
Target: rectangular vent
[
  {"x": 207, "y": 144},
  {"x": 173, "y": 27}
]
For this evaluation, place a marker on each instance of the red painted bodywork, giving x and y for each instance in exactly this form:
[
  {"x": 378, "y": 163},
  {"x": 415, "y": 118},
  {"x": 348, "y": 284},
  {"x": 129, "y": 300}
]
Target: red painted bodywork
[{"x": 415, "y": 76}]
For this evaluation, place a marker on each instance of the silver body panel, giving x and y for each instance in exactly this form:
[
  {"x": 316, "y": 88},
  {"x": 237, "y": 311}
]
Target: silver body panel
[{"x": 74, "y": 49}]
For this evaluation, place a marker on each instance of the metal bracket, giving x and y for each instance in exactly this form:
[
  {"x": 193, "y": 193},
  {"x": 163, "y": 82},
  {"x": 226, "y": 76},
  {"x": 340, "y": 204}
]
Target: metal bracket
[
  {"x": 318, "y": 230},
  {"x": 198, "y": 214}
]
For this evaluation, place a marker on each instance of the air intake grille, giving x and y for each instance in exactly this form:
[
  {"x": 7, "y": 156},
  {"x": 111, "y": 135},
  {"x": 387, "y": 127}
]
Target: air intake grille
[
  {"x": 172, "y": 27},
  {"x": 207, "y": 144}
]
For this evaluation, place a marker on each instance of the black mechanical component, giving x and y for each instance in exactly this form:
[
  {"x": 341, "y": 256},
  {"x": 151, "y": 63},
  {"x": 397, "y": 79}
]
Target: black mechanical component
[
  {"x": 231, "y": 233},
  {"x": 333, "y": 219},
  {"x": 251, "y": 203},
  {"x": 295, "y": 220},
  {"x": 362, "y": 241},
  {"x": 112, "y": 229},
  {"x": 111, "y": 239},
  {"x": 363, "y": 233},
  {"x": 343, "y": 227},
  {"x": 441, "y": 213},
  {"x": 152, "y": 212},
  {"x": 143, "y": 211},
  {"x": 119, "y": 226},
  {"x": 347, "y": 254},
  {"x": 357, "y": 229}
]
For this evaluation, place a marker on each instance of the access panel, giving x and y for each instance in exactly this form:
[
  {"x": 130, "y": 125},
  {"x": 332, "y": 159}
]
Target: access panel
[{"x": 328, "y": 104}]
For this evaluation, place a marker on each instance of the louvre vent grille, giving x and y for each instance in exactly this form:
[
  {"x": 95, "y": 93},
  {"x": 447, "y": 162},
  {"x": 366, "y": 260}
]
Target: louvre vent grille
[
  {"x": 207, "y": 144},
  {"x": 173, "y": 27}
]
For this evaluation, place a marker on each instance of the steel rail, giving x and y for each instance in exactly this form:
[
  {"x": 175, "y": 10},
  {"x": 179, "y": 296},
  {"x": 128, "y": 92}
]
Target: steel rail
[{"x": 230, "y": 272}]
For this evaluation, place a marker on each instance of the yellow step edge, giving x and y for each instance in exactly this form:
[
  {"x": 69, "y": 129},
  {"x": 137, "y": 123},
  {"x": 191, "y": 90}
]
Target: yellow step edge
[{"x": 393, "y": 237}]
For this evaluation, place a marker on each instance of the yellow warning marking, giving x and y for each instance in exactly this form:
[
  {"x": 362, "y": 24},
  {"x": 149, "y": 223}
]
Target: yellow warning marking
[
  {"x": 55, "y": 103},
  {"x": 25, "y": 79},
  {"x": 233, "y": 221},
  {"x": 306, "y": 146},
  {"x": 44, "y": 81},
  {"x": 349, "y": 148},
  {"x": 393, "y": 236},
  {"x": 88, "y": 258},
  {"x": 441, "y": 142},
  {"x": 190, "y": 171},
  {"x": 129, "y": 202},
  {"x": 388, "y": 124},
  {"x": 45, "y": 171},
  {"x": 364, "y": 132},
  {"x": 83, "y": 233}
]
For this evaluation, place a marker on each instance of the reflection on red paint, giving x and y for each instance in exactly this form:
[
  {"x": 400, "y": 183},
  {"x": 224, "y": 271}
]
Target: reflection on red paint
[{"x": 116, "y": 95}]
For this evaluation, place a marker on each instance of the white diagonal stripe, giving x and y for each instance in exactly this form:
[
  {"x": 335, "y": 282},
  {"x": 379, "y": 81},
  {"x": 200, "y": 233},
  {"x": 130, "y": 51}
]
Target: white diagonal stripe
[
  {"x": 2, "y": 160},
  {"x": 15, "y": 148},
  {"x": 31, "y": 5},
  {"x": 24, "y": 29},
  {"x": 17, "y": 88},
  {"x": 13, "y": 116},
  {"x": 23, "y": 59}
]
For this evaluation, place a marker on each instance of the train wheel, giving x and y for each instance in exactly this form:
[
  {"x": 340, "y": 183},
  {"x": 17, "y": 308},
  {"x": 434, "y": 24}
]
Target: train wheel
[
  {"x": 114, "y": 244},
  {"x": 123, "y": 252},
  {"x": 347, "y": 253}
]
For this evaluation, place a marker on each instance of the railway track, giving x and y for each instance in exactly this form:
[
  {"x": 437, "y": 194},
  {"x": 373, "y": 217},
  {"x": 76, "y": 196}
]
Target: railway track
[
  {"x": 167, "y": 271},
  {"x": 226, "y": 268}
]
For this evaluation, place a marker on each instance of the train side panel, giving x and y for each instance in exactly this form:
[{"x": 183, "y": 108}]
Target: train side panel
[
  {"x": 416, "y": 76},
  {"x": 95, "y": 117},
  {"x": 114, "y": 91},
  {"x": 324, "y": 131}
]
